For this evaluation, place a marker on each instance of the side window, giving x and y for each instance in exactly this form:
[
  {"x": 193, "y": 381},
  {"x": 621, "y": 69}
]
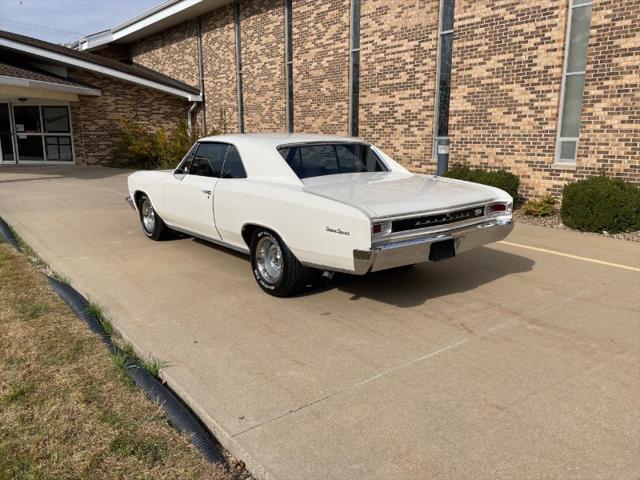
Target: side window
[
  {"x": 183, "y": 167},
  {"x": 208, "y": 160},
  {"x": 233, "y": 167}
]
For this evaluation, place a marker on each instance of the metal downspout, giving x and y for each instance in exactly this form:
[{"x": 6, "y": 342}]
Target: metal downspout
[{"x": 189, "y": 115}]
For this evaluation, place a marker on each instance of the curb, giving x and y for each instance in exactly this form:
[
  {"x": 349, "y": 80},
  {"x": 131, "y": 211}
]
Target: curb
[{"x": 177, "y": 412}]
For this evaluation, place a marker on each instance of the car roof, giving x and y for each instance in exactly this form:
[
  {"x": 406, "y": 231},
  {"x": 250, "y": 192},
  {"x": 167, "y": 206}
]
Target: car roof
[{"x": 274, "y": 140}]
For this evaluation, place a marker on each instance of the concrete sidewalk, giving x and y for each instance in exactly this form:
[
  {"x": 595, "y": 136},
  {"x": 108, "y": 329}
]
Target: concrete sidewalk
[{"x": 504, "y": 362}]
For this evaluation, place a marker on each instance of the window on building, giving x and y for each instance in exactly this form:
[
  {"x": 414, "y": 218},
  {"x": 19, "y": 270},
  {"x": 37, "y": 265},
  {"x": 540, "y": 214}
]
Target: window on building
[
  {"x": 239, "y": 81},
  {"x": 445, "y": 49},
  {"x": 575, "y": 64},
  {"x": 288, "y": 32},
  {"x": 43, "y": 133},
  {"x": 354, "y": 68}
]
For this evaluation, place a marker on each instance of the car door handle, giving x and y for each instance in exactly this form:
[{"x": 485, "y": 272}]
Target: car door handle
[{"x": 205, "y": 191}]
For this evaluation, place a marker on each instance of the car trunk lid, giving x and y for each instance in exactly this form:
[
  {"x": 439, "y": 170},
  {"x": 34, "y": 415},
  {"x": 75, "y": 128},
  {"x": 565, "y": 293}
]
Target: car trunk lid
[{"x": 388, "y": 194}]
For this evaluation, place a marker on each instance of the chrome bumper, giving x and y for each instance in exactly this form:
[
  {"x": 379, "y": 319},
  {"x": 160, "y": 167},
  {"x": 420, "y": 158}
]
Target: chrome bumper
[
  {"x": 397, "y": 253},
  {"x": 130, "y": 202}
]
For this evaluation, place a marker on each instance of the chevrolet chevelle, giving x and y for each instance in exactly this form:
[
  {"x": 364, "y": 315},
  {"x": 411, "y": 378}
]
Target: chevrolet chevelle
[{"x": 301, "y": 205}]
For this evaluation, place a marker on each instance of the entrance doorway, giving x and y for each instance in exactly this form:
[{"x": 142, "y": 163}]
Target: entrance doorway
[
  {"x": 6, "y": 139},
  {"x": 34, "y": 133}
]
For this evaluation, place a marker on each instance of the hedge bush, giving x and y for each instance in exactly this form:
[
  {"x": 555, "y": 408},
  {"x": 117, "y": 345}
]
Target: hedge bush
[
  {"x": 599, "y": 204},
  {"x": 499, "y": 178},
  {"x": 139, "y": 148},
  {"x": 540, "y": 208}
]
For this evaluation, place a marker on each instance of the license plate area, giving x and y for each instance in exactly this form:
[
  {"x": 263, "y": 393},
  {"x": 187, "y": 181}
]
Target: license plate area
[{"x": 442, "y": 250}]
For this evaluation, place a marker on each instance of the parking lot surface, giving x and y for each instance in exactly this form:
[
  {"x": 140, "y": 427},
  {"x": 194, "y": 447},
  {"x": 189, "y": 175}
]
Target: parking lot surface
[{"x": 518, "y": 360}]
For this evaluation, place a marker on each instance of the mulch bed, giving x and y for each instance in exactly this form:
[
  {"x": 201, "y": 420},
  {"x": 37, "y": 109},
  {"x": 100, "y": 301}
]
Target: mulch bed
[{"x": 554, "y": 221}]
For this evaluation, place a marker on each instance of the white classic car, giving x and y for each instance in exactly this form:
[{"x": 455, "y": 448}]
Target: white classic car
[{"x": 301, "y": 205}]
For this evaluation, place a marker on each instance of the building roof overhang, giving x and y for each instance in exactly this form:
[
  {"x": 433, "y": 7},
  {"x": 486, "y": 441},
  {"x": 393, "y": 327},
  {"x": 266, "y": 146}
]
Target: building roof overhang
[
  {"x": 165, "y": 15},
  {"x": 94, "y": 63},
  {"x": 50, "y": 86}
]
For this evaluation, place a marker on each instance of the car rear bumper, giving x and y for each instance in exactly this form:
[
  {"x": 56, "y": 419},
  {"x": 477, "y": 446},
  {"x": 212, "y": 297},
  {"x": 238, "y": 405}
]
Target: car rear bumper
[{"x": 400, "y": 252}]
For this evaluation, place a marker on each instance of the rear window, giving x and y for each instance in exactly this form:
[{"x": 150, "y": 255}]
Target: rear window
[{"x": 315, "y": 160}]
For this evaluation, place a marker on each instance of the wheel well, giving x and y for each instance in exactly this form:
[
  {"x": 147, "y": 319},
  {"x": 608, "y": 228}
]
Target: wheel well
[
  {"x": 247, "y": 233},
  {"x": 137, "y": 197},
  {"x": 249, "y": 229}
]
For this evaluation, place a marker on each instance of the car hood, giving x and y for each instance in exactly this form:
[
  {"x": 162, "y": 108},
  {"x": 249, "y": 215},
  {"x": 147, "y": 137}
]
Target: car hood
[{"x": 387, "y": 194}]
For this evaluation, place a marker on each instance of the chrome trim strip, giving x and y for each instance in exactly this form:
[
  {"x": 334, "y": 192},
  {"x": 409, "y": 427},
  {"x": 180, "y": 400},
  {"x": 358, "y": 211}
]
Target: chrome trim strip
[
  {"x": 437, "y": 236},
  {"x": 461, "y": 206}
]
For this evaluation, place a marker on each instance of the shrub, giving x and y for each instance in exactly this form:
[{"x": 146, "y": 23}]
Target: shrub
[
  {"x": 540, "y": 208},
  {"x": 599, "y": 204},
  {"x": 499, "y": 178},
  {"x": 137, "y": 147}
]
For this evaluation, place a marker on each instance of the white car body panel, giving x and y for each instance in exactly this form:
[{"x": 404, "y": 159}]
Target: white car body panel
[
  {"x": 388, "y": 194},
  {"x": 325, "y": 221}
]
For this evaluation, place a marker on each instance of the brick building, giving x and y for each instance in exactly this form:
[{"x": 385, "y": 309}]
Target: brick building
[
  {"x": 548, "y": 89},
  {"x": 58, "y": 105}
]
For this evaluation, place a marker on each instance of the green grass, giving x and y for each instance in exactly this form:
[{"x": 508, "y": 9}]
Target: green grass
[{"x": 66, "y": 411}]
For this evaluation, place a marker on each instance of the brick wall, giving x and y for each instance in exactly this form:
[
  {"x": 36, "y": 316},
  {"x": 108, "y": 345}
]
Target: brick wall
[
  {"x": 507, "y": 75},
  {"x": 321, "y": 66},
  {"x": 398, "y": 46},
  {"x": 173, "y": 52},
  {"x": 263, "y": 65},
  {"x": 507, "y": 70},
  {"x": 96, "y": 120},
  {"x": 610, "y": 129},
  {"x": 506, "y": 79},
  {"x": 219, "y": 48}
]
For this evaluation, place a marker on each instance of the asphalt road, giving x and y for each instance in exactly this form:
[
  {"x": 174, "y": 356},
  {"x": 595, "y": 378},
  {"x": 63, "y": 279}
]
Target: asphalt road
[{"x": 519, "y": 360}]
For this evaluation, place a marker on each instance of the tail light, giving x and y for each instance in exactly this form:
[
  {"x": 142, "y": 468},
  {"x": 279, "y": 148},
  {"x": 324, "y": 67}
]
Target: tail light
[
  {"x": 499, "y": 208},
  {"x": 380, "y": 229}
]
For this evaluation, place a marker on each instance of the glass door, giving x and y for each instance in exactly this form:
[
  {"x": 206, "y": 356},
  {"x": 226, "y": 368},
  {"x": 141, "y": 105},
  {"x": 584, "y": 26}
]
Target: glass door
[
  {"x": 6, "y": 140},
  {"x": 28, "y": 133}
]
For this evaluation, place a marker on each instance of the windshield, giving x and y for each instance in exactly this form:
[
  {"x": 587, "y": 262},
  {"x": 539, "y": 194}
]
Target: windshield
[{"x": 317, "y": 159}]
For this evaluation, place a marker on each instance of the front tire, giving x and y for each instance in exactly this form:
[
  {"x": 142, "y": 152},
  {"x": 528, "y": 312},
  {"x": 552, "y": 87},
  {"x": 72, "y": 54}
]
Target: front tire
[
  {"x": 277, "y": 271},
  {"x": 152, "y": 225}
]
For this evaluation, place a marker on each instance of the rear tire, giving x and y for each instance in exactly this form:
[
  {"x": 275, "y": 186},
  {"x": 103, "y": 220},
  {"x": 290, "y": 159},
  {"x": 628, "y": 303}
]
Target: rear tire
[
  {"x": 277, "y": 271},
  {"x": 152, "y": 225}
]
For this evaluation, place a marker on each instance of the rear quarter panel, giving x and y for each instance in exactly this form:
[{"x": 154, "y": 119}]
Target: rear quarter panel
[{"x": 318, "y": 230}]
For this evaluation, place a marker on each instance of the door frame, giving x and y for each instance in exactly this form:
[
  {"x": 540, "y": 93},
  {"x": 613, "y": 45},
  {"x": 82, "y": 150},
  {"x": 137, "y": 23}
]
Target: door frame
[
  {"x": 11, "y": 137},
  {"x": 11, "y": 103}
]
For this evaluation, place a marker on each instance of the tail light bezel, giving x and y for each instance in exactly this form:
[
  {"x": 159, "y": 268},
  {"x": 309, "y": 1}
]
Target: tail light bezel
[{"x": 499, "y": 208}]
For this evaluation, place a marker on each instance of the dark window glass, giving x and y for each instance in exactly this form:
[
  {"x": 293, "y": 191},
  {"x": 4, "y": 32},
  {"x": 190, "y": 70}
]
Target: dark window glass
[
  {"x": 447, "y": 14},
  {"x": 5, "y": 133},
  {"x": 208, "y": 160},
  {"x": 354, "y": 100},
  {"x": 27, "y": 119},
  {"x": 56, "y": 119},
  {"x": 30, "y": 147},
  {"x": 58, "y": 148},
  {"x": 233, "y": 167},
  {"x": 444, "y": 84},
  {"x": 331, "y": 159},
  {"x": 183, "y": 167}
]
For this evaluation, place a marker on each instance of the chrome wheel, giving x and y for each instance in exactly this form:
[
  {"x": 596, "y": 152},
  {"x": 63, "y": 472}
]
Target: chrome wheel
[
  {"x": 269, "y": 259},
  {"x": 148, "y": 216}
]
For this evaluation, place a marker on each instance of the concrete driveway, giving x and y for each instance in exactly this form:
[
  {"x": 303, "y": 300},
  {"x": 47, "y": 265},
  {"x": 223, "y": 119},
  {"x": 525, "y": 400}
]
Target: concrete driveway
[{"x": 517, "y": 361}]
